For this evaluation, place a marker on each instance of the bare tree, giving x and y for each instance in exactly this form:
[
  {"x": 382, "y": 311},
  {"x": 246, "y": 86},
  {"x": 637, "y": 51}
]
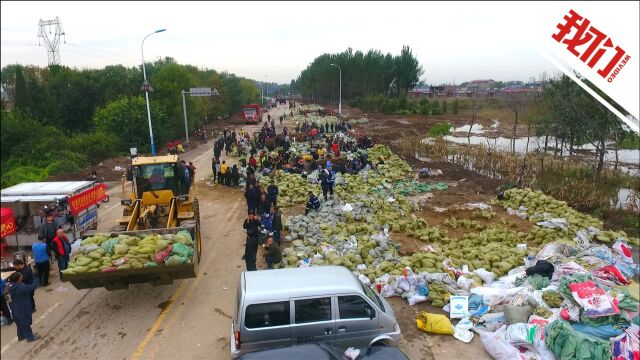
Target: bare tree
[
  {"x": 514, "y": 103},
  {"x": 475, "y": 106}
]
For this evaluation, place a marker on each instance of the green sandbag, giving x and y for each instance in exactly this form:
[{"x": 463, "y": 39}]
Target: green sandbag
[
  {"x": 94, "y": 255},
  {"x": 538, "y": 281},
  {"x": 121, "y": 249},
  {"x": 80, "y": 269},
  {"x": 182, "y": 250},
  {"x": 552, "y": 298},
  {"x": 543, "y": 312},
  {"x": 108, "y": 245},
  {"x": 151, "y": 264},
  {"x": 160, "y": 245},
  {"x": 84, "y": 261},
  {"x": 146, "y": 249},
  {"x": 175, "y": 260},
  {"x": 568, "y": 344},
  {"x": 184, "y": 237},
  {"x": 132, "y": 241}
]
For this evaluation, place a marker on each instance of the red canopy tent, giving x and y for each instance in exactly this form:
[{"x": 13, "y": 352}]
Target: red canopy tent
[
  {"x": 8, "y": 227},
  {"x": 8, "y": 222}
]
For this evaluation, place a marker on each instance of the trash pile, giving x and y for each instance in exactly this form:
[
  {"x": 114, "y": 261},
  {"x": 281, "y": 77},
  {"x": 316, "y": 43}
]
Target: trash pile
[
  {"x": 553, "y": 292},
  {"x": 104, "y": 253}
]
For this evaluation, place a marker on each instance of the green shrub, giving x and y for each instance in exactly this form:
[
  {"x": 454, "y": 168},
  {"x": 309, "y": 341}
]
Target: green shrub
[
  {"x": 435, "y": 108},
  {"x": 630, "y": 141},
  {"x": 440, "y": 129},
  {"x": 96, "y": 145},
  {"x": 65, "y": 161},
  {"x": 20, "y": 174}
]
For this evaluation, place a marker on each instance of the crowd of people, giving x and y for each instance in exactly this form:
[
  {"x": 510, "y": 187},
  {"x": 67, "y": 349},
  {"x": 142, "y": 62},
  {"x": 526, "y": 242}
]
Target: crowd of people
[
  {"x": 52, "y": 242},
  {"x": 270, "y": 152}
]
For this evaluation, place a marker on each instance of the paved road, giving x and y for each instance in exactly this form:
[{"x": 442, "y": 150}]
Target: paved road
[{"x": 189, "y": 319}]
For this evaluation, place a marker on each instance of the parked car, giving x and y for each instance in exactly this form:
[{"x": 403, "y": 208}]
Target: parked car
[
  {"x": 324, "y": 352},
  {"x": 285, "y": 307}
]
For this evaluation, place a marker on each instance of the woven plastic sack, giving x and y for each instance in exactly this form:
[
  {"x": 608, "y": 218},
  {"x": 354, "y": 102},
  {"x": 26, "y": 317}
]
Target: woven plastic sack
[
  {"x": 434, "y": 323},
  {"x": 183, "y": 237},
  {"x": 84, "y": 261},
  {"x": 175, "y": 260},
  {"x": 161, "y": 255},
  {"x": 121, "y": 249},
  {"x": 627, "y": 345},
  {"x": 161, "y": 244},
  {"x": 497, "y": 347},
  {"x": 182, "y": 250},
  {"x": 108, "y": 245}
]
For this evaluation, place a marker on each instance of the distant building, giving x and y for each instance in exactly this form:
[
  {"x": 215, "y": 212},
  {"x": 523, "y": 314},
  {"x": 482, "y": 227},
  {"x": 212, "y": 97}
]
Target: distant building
[
  {"x": 421, "y": 92},
  {"x": 437, "y": 91},
  {"x": 534, "y": 88},
  {"x": 483, "y": 88},
  {"x": 450, "y": 90},
  {"x": 481, "y": 85}
]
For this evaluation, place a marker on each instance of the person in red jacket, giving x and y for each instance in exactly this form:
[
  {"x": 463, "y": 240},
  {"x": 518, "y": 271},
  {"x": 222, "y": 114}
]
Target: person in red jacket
[{"x": 62, "y": 248}]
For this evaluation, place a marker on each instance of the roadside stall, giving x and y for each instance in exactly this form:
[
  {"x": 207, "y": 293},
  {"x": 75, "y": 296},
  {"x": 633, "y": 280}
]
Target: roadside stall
[{"x": 74, "y": 205}]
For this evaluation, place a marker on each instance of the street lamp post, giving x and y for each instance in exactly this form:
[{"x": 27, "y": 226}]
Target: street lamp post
[
  {"x": 147, "y": 87},
  {"x": 340, "y": 101}
]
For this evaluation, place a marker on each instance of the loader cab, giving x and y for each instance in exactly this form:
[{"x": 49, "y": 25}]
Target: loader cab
[
  {"x": 155, "y": 177},
  {"x": 156, "y": 174}
]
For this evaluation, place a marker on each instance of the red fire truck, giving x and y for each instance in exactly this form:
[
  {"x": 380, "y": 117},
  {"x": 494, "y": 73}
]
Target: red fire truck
[{"x": 252, "y": 114}]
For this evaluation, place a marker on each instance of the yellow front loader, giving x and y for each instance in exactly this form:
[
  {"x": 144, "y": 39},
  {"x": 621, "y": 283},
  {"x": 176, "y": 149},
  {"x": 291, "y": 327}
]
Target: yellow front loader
[{"x": 159, "y": 199}]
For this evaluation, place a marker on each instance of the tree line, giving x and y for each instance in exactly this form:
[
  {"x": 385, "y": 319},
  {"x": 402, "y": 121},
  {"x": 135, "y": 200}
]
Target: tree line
[
  {"x": 363, "y": 74},
  {"x": 57, "y": 119},
  {"x": 566, "y": 116}
]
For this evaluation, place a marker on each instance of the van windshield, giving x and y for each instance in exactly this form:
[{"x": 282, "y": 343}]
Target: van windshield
[{"x": 371, "y": 295}]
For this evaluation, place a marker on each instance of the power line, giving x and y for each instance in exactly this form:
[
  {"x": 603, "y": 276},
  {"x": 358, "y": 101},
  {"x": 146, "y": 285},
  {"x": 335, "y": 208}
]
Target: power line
[{"x": 51, "y": 43}]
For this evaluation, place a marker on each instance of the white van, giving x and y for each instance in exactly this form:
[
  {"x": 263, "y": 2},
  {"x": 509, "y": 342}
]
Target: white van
[{"x": 284, "y": 307}]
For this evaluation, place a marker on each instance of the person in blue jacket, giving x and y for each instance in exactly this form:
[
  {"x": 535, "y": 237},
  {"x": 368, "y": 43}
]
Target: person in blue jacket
[
  {"x": 21, "y": 306},
  {"x": 3, "y": 303},
  {"x": 312, "y": 203}
]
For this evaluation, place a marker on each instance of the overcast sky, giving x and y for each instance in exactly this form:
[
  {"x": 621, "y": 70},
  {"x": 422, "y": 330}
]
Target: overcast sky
[{"x": 275, "y": 41}]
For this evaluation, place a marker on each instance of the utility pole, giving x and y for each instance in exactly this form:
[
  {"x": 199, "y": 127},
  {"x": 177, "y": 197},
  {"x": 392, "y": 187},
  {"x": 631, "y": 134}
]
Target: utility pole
[
  {"x": 52, "y": 44},
  {"x": 194, "y": 92}
]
